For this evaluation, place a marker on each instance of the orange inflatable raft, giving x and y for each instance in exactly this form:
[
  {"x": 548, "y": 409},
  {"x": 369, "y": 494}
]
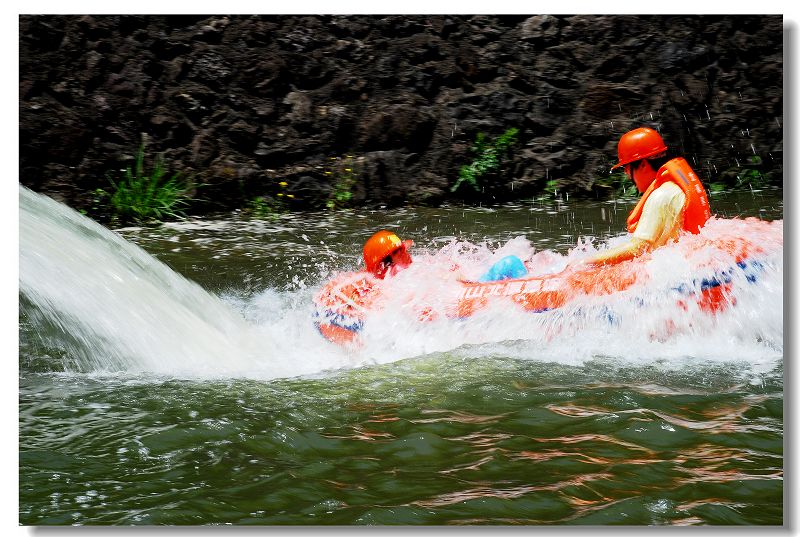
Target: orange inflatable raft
[{"x": 344, "y": 303}]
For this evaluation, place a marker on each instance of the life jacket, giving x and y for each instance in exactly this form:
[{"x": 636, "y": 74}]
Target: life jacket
[{"x": 696, "y": 210}]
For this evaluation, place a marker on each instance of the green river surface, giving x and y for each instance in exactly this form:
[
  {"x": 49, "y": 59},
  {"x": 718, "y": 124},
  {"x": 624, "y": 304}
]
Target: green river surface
[{"x": 475, "y": 434}]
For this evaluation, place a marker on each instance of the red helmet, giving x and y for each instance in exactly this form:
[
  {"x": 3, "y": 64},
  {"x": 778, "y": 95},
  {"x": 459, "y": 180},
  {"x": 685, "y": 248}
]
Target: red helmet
[
  {"x": 638, "y": 144},
  {"x": 382, "y": 245}
]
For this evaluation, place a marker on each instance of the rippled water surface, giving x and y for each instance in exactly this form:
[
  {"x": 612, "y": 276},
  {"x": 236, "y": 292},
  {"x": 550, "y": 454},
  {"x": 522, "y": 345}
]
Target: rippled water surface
[{"x": 281, "y": 427}]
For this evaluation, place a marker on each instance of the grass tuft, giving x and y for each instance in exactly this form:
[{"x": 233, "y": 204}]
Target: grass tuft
[
  {"x": 143, "y": 195},
  {"x": 489, "y": 158}
]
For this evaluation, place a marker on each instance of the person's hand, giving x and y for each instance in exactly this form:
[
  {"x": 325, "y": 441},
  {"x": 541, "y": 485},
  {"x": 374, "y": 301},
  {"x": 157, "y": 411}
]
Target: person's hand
[{"x": 581, "y": 264}]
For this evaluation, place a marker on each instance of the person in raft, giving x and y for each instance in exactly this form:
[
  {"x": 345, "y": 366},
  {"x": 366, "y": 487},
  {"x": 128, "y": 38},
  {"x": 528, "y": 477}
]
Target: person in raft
[
  {"x": 673, "y": 198},
  {"x": 385, "y": 254}
]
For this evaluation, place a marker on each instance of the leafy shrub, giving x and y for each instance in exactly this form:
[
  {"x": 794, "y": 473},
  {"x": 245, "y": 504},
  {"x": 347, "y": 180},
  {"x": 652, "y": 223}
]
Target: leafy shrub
[
  {"x": 618, "y": 184},
  {"x": 271, "y": 204},
  {"x": 265, "y": 207},
  {"x": 750, "y": 174},
  {"x": 345, "y": 174},
  {"x": 551, "y": 187},
  {"x": 148, "y": 195},
  {"x": 490, "y": 156},
  {"x": 716, "y": 188}
]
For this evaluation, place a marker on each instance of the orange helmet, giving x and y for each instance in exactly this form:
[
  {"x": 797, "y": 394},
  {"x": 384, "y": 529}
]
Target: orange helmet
[
  {"x": 638, "y": 144},
  {"x": 382, "y": 245}
]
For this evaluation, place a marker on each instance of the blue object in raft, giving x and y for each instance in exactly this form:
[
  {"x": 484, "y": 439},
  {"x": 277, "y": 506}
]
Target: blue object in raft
[{"x": 509, "y": 267}]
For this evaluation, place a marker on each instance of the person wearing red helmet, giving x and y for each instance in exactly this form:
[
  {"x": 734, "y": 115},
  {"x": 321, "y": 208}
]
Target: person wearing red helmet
[
  {"x": 673, "y": 198},
  {"x": 385, "y": 253}
]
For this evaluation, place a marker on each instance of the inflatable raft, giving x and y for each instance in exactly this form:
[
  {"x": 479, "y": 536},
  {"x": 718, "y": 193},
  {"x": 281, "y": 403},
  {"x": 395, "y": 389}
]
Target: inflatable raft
[{"x": 344, "y": 304}]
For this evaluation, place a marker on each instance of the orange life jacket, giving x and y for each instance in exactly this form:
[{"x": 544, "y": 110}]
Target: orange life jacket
[{"x": 696, "y": 210}]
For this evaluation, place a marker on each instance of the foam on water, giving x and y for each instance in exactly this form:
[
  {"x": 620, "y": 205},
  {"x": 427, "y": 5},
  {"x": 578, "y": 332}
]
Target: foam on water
[
  {"x": 649, "y": 322},
  {"x": 114, "y": 308},
  {"x": 113, "y": 305}
]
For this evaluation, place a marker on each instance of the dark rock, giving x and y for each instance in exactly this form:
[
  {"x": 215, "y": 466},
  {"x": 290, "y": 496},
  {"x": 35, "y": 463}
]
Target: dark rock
[
  {"x": 205, "y": 148},
  {"x": 540, "y": 29},
  {"x": 301, "y": 110},
  {"x": 233, "y": 97},
  {"x": 397, "y": 126},
  {"x": 244, "y": 135},
  {"x": 211, "y": 68},
  {"x": 212, "y": 31},
  {"x": 387, "y": 176}
]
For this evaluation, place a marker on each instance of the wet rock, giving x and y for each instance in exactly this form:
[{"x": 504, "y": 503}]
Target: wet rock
[
  {"x": 244, "y": 135},
  {"x": 211, "y": 68},
  {"x": 300, "y": 107},
  {"x": 540, "y": 29},
  {"x": 232, "y": 97},
  {"x": 387, "y": 176},
  {"x": 397, "y": 126}
]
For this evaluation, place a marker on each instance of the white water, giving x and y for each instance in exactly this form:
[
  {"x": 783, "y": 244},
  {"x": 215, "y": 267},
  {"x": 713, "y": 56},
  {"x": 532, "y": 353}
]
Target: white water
[
  {"x": 113, "y": 307},
  {"x": 618, "y": 326},
  {"x": 116, "y": 308}
]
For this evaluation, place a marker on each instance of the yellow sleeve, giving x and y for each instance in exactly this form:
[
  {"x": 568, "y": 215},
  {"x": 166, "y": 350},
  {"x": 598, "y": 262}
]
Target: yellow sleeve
[
  {"x": 623, "y": 252},
  {"x": 661, "y": 215},
  {"x": 660, "y": 221}
]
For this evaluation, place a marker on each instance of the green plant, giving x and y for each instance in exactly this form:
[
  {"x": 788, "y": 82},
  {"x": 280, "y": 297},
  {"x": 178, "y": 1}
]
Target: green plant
[
  {"x": 148, "y": 195},
  {"x": 265, "y": 207},
  {"x": 272, "y": 204},
  {"x": 489, "y": 158},
  {"x": 715, "y": 188},
  {"x": 617, "y": 184},
  {"x": 99, "y": 202},
  {"x": 623, "y": 186},
  {"x": 745, "y": 175},
  {"x": 750, "y": 175},
  {"x": 345, "y": 174}
]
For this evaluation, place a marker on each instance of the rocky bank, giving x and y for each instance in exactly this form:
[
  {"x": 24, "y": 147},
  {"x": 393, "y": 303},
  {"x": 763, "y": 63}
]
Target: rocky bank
[{"x": 245, "y": 103}]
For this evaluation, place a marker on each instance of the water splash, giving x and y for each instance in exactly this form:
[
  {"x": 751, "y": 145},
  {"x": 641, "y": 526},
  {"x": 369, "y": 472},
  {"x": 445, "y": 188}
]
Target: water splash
[
  {"x": 111, "y": 307},
  {"x": 112, "y": 304},
  {"x": 659, "y": 319}
]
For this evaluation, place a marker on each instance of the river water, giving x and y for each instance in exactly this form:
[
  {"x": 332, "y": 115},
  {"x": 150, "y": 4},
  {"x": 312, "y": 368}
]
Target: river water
[{"x": 173, "y": 375}]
